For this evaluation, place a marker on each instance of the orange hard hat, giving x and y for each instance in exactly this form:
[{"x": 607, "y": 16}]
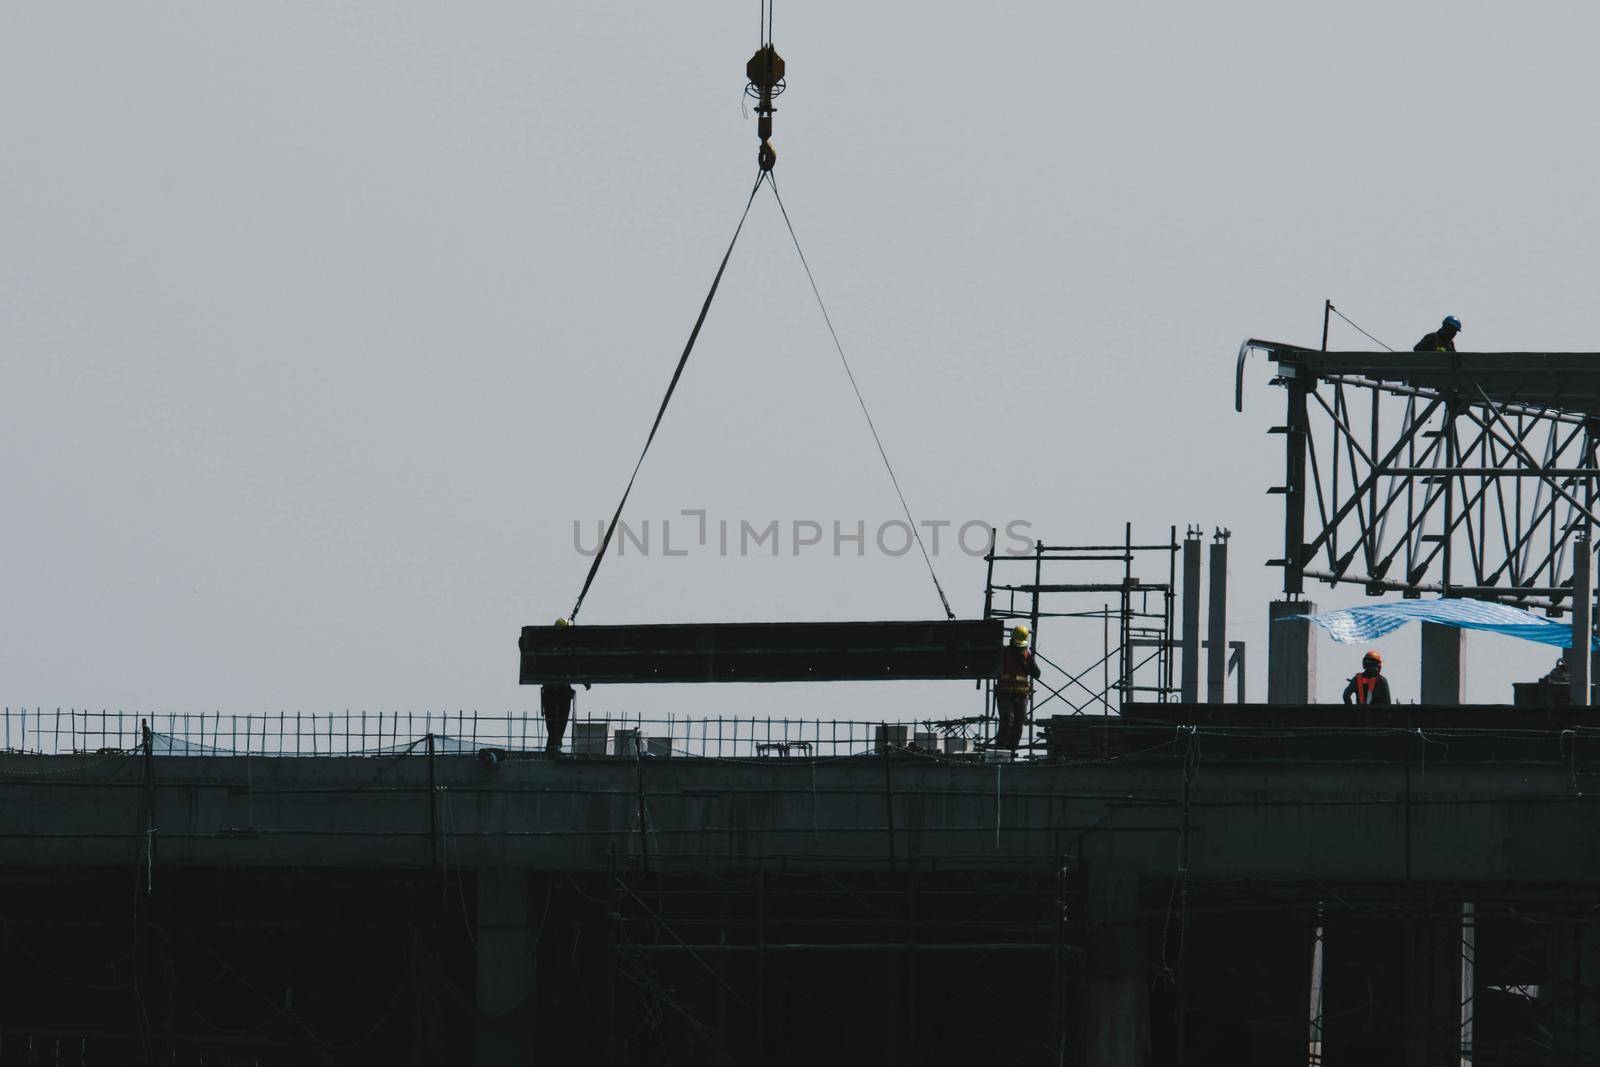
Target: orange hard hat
[{"x": 1372, "y": 656}]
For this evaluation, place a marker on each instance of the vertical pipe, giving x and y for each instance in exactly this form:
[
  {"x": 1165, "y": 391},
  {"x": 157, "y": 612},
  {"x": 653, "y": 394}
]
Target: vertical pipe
[
  {"x": 1217, "y": 623},
  {"x": 1327, "y": 306},
  {"x": 1033, "y": 624},
  {"x": 989, "y": 709},
  {"x": 1125, "y": 671},
  {"x": 433, "y": 806},
  {"x": 1169, "y": 617},
  {"x": 1578, "y": 659},
  {"x": 988, "y": 578},
  {"x": 1105, "y": 658},
  {"x": 1191, "y": 616}
]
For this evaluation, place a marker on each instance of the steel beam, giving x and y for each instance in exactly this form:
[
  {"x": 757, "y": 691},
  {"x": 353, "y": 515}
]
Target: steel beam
[{"x": 762, "y": 652}]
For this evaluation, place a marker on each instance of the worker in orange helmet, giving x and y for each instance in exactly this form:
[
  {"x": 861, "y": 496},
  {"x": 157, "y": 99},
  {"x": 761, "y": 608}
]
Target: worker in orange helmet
[
  {"x": 1370, "y": 686},
  {"x": 1014, "y": 690}
]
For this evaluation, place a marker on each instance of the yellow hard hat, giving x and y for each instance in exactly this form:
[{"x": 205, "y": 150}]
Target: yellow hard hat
[
  {"x": 562, "y": 622},
  {"x": 1019, "y": 635}
]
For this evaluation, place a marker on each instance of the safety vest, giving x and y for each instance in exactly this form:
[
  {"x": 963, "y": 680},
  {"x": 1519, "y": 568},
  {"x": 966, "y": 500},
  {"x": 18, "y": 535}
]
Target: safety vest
[
  {"x": 1014, "y": 674},
  {"x": 1365, "y": 687}
]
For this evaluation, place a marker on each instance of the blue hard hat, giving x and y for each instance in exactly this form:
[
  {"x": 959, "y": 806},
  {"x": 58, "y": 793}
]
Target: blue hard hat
[{"x": 1452, "y": 322}]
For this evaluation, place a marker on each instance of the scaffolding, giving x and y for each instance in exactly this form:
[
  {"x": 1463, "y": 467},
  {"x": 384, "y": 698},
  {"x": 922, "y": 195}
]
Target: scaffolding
[{"x": 1108, "y": 583}]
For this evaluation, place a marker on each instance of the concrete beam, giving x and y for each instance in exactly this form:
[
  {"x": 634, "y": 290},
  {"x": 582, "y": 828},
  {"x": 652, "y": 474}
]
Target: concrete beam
[{"x": 1291, "y": 653}]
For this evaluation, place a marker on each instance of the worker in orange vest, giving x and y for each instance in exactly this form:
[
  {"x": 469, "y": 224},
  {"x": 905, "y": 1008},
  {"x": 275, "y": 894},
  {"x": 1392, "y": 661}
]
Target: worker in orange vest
[
  {"x": 1014, "y": 690},
  {"x": 1370, "y": 686}
]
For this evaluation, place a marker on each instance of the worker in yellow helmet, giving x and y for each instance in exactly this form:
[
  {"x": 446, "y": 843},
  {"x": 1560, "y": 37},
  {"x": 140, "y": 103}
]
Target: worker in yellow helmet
[{"x": 1014, "y": 690}]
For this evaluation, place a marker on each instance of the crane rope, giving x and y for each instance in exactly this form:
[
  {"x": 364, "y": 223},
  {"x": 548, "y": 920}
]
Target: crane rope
[
  {"x": 766, "y": 81},
  {"x": 915, "y": 532},
  {"x": 672, "y": 385}
]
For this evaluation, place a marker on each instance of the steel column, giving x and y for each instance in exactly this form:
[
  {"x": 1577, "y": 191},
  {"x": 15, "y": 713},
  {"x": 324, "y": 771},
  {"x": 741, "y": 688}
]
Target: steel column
[
  {"x": 1191, "y": 617},
  {"x": 1217, "y": 624},
  {"x": 1578, "y": 659}
]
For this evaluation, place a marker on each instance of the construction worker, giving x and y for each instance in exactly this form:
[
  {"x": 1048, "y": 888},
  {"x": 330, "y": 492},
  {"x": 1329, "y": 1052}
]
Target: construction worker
[
  {"x": 555, "y": 703},
  {"x": 1441, "y": 340},
  {"x": 1370, "y": 686},
  {"x": 1015, "y": 689}
]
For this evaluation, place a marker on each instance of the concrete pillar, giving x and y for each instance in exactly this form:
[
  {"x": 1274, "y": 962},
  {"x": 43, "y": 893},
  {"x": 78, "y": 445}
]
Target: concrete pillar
[
  {"x": 1190, "y": 635},
  {"x": 1441, "y": 663},
  {"x": 1217, "y": 623},
  {"x": 1116, "y": 1015},
  {"x": 505, "y": 968},
  {"x": 1432, "y": 987},
  {"x": 1291, "y": 653}
]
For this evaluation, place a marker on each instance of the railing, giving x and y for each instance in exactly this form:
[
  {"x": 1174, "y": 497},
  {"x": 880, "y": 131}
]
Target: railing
[{"x": 60, "y": 731}]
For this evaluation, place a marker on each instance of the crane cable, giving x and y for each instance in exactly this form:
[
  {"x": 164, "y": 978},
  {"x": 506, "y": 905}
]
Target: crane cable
[
  {"x": 766, "y": 159},
  {"x": 683, "y": 360},
  {"x": 915, "y": 532}
]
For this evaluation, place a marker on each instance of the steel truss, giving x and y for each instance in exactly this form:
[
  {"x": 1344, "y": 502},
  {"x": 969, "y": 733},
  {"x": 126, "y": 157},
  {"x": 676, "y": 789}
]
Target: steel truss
[{"x": 1462, "y": 475}]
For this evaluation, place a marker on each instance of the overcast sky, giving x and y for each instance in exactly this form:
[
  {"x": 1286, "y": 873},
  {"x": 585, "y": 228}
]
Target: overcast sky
[{"x": 321, "y": 324}]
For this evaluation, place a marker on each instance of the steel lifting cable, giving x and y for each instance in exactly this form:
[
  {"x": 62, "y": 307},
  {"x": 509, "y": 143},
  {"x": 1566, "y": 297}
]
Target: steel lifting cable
[
  {"x": 916, "y": 533},
  {"x": 694, "y": 335}
]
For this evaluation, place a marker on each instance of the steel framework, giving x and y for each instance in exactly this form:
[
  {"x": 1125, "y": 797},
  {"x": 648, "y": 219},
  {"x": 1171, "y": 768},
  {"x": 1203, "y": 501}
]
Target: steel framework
[{"x": 1458, "y": 474}]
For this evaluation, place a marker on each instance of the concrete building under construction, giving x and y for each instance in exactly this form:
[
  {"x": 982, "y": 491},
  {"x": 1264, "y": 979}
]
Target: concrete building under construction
[{"x": 1166, "y": 873}]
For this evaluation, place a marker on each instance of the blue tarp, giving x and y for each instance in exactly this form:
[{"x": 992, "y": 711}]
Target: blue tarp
[{"x": 1371, "y": 621}]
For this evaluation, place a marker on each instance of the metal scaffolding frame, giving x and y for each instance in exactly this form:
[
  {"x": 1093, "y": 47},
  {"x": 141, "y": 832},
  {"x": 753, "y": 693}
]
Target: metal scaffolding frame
[
  {"x": 1135, "y": 661},
  {"x": 1457, "y": 474}
]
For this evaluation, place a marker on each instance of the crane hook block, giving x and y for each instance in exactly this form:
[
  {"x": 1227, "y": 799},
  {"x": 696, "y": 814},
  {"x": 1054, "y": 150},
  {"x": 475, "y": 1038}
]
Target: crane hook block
[{"x": 765, "y": 71}]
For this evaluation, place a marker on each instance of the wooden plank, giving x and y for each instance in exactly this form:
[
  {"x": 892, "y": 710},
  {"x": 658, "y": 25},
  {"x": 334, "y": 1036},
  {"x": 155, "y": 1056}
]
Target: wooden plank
[{"x": 762, "y": 652}]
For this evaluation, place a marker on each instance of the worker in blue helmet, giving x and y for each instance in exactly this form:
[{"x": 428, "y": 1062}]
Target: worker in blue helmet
[{"x": 1441, "y": 340}]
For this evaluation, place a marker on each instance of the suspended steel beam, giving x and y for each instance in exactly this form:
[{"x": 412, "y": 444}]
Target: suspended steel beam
[{"x": 762, "y": 652}]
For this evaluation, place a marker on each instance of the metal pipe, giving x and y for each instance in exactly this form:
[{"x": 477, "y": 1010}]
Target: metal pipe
[
  {"x": 1191, "y": 616},
  {"x": 1217, "y": 623}
]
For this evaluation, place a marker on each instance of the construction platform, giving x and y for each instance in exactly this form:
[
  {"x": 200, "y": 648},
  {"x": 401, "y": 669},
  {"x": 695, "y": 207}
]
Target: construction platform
[{"x": 1172, "y": 889}]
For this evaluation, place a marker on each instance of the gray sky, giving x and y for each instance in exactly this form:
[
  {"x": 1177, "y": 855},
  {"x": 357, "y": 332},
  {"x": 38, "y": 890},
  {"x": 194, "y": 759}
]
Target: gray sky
[{"x": 321, "y": 324}]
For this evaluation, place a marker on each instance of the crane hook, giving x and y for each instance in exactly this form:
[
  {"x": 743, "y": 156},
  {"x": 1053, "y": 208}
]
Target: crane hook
[{"x": 765, "y": 72}]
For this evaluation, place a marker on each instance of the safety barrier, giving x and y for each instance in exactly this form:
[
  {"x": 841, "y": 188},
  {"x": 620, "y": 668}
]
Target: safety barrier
[{"x": 61, "y": 731}]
